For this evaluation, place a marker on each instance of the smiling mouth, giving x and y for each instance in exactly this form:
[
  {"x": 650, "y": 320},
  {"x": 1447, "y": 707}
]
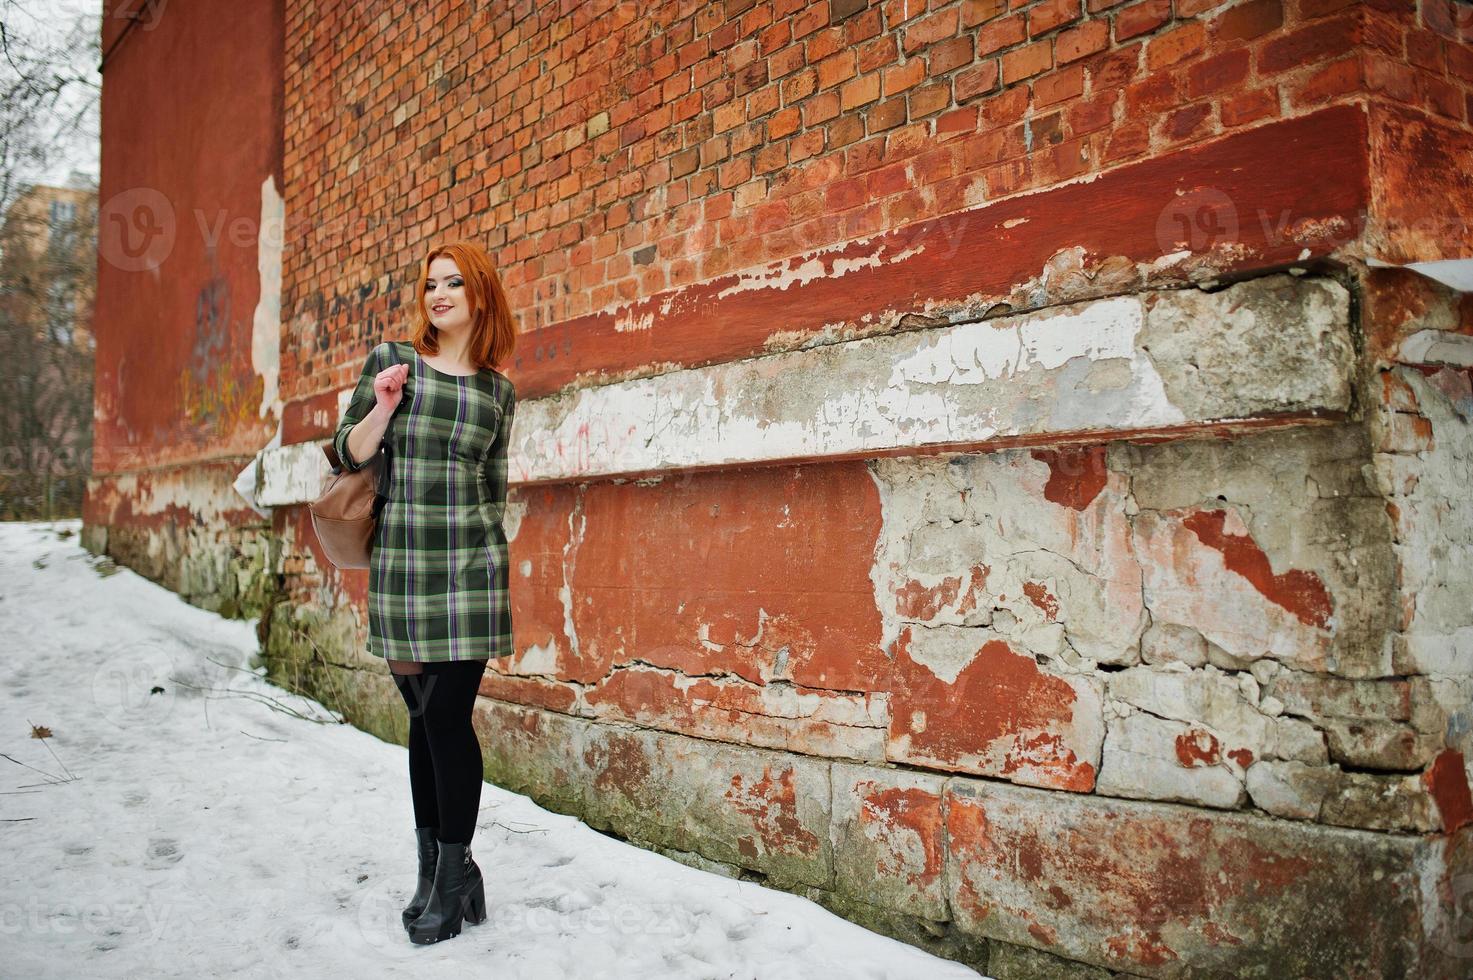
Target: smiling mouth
[{"x": 439, "y": 309}]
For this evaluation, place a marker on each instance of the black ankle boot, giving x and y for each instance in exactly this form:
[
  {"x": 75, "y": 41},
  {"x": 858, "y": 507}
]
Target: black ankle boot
[
  {"x": 429, "y": 852},
  {"x": 457, "y": 894}
]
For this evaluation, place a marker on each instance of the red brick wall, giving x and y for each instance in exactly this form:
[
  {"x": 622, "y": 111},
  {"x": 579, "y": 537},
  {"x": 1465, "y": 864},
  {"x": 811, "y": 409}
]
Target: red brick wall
[
  {"x": 615, "y": 152},
  {"x": 675, "y": 186},
  {"x": 904, "y": 685}
]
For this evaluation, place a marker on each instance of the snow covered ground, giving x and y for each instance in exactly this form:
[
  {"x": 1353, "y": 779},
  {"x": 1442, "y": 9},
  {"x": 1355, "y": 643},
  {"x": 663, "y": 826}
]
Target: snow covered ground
[{"x": 184, "y": 818}]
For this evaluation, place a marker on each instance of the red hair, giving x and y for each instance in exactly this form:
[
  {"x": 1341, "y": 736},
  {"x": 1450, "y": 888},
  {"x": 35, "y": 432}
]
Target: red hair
[{"x": 493, "y": 329}]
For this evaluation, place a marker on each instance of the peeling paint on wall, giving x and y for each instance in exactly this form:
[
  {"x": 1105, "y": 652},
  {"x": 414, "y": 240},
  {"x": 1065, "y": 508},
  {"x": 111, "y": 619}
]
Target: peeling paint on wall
[
  {"x": 266, "y": 321},
  {"x": 1156, "y": 361}
]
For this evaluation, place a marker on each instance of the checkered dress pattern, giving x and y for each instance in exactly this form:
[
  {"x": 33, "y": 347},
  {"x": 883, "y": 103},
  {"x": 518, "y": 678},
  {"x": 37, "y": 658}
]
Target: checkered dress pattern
[{"x": 438, "y": 581}]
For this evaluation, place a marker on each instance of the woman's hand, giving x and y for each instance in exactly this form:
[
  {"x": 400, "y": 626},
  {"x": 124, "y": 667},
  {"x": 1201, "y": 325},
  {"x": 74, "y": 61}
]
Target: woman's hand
[{"x": 388, "y": 387}]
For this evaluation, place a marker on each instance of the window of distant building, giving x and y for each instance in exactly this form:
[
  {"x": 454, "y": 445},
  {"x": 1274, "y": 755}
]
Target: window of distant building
[
  {"x": 60, "y": 312},
  {"x": 63, "y": 237}
]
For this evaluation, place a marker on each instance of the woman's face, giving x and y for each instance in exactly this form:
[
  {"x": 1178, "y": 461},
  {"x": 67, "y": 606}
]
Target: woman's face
[{"x": 445, "y": 297}]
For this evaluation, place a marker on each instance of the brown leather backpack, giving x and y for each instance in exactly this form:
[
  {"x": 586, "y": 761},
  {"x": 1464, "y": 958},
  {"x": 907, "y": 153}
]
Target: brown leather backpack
[{"x": 345, "y": 516}]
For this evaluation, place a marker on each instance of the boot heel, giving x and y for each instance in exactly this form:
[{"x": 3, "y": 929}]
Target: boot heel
[
  {"x": 450, "y": 894},
  {"x": 475, "y": 912}
]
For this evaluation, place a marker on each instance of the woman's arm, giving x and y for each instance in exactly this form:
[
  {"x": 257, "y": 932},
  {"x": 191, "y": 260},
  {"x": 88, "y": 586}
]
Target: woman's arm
[
  {"x": 364, "y": 438},
  {"x": 364, "y": 423}
]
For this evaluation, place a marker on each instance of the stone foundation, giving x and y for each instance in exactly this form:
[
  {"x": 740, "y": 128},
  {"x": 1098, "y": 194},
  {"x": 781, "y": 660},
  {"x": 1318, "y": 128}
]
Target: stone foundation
[{"x": 1009, "y": 879}]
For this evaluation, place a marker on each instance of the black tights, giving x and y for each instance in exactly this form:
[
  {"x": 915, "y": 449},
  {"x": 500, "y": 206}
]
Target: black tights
[{"x": 444, "y": 754}]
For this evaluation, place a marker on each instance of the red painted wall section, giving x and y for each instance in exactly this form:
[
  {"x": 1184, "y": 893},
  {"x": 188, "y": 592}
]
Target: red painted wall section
[
  {"x": 1001, "y": 715},
  {"x": 1447, "y": 781},
  {"x": 547, "y": 524},
  {"x": 695, "y": 597},
  {"x": 760, "y": 573},
  {"x": 1232, "y": 204},
  {"x": 1422, "y": 194},
  {"x": 191, "y": 122}
]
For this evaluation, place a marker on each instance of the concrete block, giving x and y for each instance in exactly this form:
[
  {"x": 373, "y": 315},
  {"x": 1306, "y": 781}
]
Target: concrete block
[
  {"x": 774, "y": 715},
  {"x": 1033, "y": 546},
  {"x": 1378, "y": 744},
  {"x": 1215, "y": 701},
  {"x": 1152, "y": 758},
  {"x": 965, "y": 703},
  {"x": 535, "y": 752},
  {"x": 1156, "y": 891},
  {"x": 767, "y": 811},
  {"x": 1323, "y": 696},
  {"x": 888, "y": 839},
  {"x": 1231, "y": 546},
  {"x": 1288, "y": 788}
]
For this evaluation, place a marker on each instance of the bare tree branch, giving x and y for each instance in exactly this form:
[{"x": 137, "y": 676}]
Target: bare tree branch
[{"x": 49, "y": 96}]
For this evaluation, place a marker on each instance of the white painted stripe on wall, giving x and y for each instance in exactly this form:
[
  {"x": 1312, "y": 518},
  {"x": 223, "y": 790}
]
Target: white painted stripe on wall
[
  {"x": 1082, "y": 368},
  {"x": 902, "y": 390}
]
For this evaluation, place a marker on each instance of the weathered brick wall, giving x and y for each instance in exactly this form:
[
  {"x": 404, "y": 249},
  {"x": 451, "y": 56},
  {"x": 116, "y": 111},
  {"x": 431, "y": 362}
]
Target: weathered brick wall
[
  {"x": 187, "y": 318},
  {"x": 1069, "y": 577},
  {"x": 973, "y": 468}
]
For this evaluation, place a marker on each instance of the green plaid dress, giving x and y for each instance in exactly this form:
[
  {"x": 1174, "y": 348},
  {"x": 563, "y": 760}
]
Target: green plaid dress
[{"x": 438, "y": 581}]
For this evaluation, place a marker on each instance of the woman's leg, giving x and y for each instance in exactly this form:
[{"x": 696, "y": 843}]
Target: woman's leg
[
  {"x": 421, "y": 762},
  {"x": 449, "y": 696}
]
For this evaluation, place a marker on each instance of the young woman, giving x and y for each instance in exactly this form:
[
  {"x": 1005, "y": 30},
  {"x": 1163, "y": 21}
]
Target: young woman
[{"x": 438, "y": 600}]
